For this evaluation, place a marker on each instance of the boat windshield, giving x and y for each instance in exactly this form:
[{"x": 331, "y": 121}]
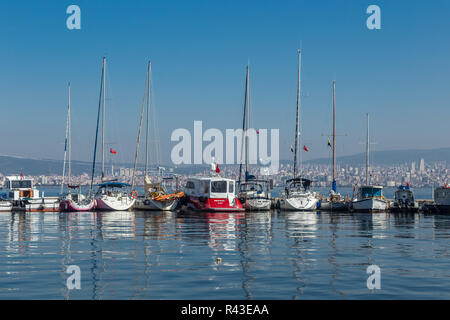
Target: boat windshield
[
  {"x": 19, "y": 184},
  {"x": 245, "y": 187},
  {"x": 368, "y": 192},
  {"x": 219, "y": 186}
]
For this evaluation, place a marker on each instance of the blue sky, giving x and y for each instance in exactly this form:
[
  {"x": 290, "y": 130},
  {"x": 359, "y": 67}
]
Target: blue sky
[{"x": 199, "y": 50}]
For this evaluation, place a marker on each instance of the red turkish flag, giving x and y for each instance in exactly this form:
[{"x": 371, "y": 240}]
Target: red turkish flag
[
  {"x": 112, "y": 151},
  {"x": 305, "y": 148},
  {"x": 217, "y": 168}
]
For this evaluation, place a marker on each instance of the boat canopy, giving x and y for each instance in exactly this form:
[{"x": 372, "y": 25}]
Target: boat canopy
[
  {"x": 305, "y": 182},
  {"x": 114, "y": 185}
]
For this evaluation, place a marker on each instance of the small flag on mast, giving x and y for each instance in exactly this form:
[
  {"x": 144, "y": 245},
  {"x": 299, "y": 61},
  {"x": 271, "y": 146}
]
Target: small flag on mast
[
  {"x": 329, "y": 143},
  {"x": 112, "y": 151},
  {"x": 305, "y": 148},
  {"x": 292, "y": 148},
  {"x": 217, "y": 168}
]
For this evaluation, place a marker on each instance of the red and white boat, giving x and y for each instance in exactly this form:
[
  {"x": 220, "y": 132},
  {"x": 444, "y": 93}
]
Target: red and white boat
[
  {"x": 211, "y": 194},
  {"x": 73, "y": 202}
]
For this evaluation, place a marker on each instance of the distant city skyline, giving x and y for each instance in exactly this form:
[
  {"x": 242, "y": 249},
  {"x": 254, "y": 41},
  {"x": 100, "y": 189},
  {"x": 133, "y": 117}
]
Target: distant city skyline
[{"x": 399, "y": 74}]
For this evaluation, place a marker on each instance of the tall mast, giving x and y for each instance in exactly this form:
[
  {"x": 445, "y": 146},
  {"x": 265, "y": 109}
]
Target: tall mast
[
  {"x": 103, "y": 118},
  {"x": 334, "y": 138},
  {"x": 98, "y": 120},
  {"x": 66, "y": 142},
  {"x": 148, "y": 115},
  {"x": 70, "y": 142},
  {"x": 298, "y": 112},
  {"x": 367, "y": 153},
  {"x": 139, "y": 131},
  {"x": 244, "y": 121},
  {"x": 247, "y": 103}
]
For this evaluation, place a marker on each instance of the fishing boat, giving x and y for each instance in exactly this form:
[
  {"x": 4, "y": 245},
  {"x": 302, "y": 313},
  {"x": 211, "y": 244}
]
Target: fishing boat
[
  {"x": 156, "y": 196},
  {"x": 211, "y": 194},
  {"x": 369, "y": 198},
  {"x": 334, "y": 202},
  {"x": 404, "y": 200},
  {"x": 22, "y": 195},
  {"x": 72, "y": 201},
  {"x": 442, "y": 199},
  {"x": 111, "y": 195},
  {"x": 254, "y": 194},
  {"x": 298, "y": 193}
]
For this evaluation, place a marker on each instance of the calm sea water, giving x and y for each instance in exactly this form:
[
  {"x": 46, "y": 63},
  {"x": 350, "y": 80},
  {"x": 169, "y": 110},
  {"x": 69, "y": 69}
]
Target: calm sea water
[{"x": 273, "y": 255}]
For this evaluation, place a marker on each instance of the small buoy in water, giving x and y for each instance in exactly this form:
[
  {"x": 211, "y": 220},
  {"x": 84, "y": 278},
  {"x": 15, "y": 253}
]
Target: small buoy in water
[{"x": 219, "y": 260}]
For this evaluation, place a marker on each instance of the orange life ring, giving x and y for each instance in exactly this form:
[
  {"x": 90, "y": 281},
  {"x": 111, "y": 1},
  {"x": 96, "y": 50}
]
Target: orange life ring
[{"x": 134, "y": 194}]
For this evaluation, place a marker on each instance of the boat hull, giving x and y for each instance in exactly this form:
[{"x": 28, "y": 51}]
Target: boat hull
[
  {"x": 257, "y": 204},
  {"x": 334, "y": 206},
  {"x": 300, "y": 203},
  {"x": 369, "y": 205},
  {"x": 150, "y": 204},
  {"x": 5, "y": 206},
  {"x": 72, "y": 206},
  {"x": 213, "y": 204},
  {"x": 114, "y": 204}
]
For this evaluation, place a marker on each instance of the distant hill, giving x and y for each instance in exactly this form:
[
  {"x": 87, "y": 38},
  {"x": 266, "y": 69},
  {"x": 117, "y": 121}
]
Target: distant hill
[
  {"x": 10, "y": 165},
  {"x": 391, "y": 157}
]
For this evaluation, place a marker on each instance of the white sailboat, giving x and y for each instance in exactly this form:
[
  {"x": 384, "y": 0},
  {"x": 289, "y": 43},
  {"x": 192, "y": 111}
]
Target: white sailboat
[
  {"x": 369, "y": 198},
  {"x": 156, "y": 196},
  {"x": 254, "y": 194},
  {"x": 111, "y": 195},
  {"x": 72, "y": 201},
  {"x": 298, "y": 194}
]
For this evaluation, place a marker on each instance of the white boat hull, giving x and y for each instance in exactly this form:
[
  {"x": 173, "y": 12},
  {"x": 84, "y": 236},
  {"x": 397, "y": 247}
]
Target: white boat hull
[
  {"x": 257, "y": 204},
  {"x": 114, "y": 204},
  {"x": 369, "y": 205},
  {"x": 149, "y": 204},
  {"x": 5, "y": 206},
  {"x": 306, "y": 203}
]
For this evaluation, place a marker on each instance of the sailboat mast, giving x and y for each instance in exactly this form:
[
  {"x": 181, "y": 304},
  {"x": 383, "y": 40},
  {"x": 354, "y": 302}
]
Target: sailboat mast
[
  {"x": 367, "y": 153},
  {"x": 139, "y": 133},
  {"x": 334, "y": 137},
  {"x": 243, "y": 125},
  {"x": 103, "y": 118},
  {"x": 65, "y": 143},
  {"x": 148, "y": 115},
  {"x": 96, "y": 130},
  {"x": 70, "y": 142},
  {"x": 247, "y": 103},
  {"x": 298, "y": 112}
]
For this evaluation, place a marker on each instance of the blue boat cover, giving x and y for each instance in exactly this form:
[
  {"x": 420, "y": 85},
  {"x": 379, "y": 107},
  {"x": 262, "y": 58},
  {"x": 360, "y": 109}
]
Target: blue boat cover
[{"x": 114, "y": 184}]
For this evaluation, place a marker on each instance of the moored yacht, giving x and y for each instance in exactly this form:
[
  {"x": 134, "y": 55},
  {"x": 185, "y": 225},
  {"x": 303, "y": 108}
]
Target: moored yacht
[
  {"x": 111, "y": 196},
  {"x": 74, "y": 200},
  {"x": 211, "y": 194},
  {"x": 254, "y": 194},
  {"x": 298, "y": 194}
]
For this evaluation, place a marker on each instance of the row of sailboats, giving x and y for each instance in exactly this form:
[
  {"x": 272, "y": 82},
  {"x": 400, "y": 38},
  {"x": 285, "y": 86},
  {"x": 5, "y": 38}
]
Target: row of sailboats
[{"x": 252, "y": 192}]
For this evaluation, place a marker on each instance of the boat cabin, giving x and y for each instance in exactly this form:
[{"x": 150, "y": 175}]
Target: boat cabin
[
  {"x": 255, "y": 187},
  {"x": 112, "y": 188},
  {"x": 442, "y": 195},
  {"x": 365, "y": 192},
  {"x": 298, "y": 185},
  {"x": 210, "y": 187},
  {"x": 18, "y": 188}
]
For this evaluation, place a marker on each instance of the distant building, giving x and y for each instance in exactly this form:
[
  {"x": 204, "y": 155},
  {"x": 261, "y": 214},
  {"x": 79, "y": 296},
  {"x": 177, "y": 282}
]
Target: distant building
[
  {"x": 422, "y": 166},
  {"x": 413, "y": 167}
]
